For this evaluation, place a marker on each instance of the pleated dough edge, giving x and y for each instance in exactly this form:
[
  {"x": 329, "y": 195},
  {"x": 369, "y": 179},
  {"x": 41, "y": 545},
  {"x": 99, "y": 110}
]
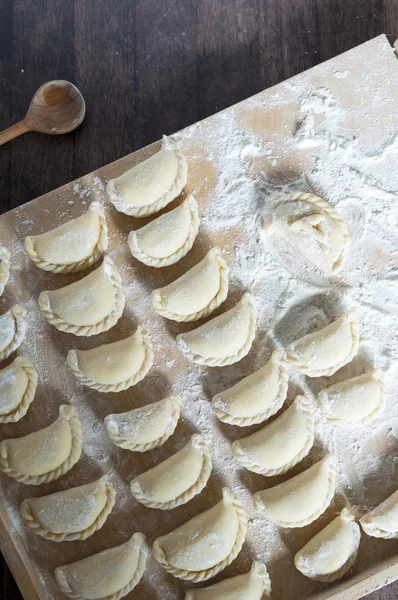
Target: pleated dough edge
[
  {"x": 186, "y": 496},
  {"x": 75, "y": 267},
  {"x": 158, "y": 263},
  {"x": 76, "y": 432},
  {"x": 147, "y": 363},
  {"x": 138, "y": 539},
  {"x": 172, "y": 193},
  {"x": 19, "y": 314},
  {"x": 27, "y": 399},
  {"x": 29, "y": 518},
  {"x": 244, "y": 460},
  {"x": 372, "y": 530},
  {"x": 266, "y": 414},
  {"x": 5, "y": 263},
  {"x": 207, "y": 310},
  {"x": 88, "y": 330},
  {"x": 348, "y": 517},
  {"x": 197, "y": 576}
]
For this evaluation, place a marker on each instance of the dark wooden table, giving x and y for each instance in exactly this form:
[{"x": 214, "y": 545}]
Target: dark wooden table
[{"x": 148, "y": 67}]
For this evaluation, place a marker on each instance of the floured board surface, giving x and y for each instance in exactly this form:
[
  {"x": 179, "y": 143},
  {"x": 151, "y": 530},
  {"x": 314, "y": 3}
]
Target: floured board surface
[{"x": 338, "y": 124}]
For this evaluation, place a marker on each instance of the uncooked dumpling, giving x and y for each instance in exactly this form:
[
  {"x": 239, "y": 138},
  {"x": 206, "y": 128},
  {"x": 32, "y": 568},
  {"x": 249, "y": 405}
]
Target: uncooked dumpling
[
  {"x": 382, "y": 521},
  {"x": 223, "y": 340},
  {"x": 89, "y": 306},
  {"x": 356, "y": 401},
  {"x": 278, "y": 446},
  {"x": 333, "y": 551},
  {"x": 44, "y": 455},
  {"x": 254, "y": 585},
  {"x": 301, "y": 499},
  {"x": 73, "y": 246},
  {"x": 197, "y": 293},
  {"x": 177, "y": 479},
  {"x": 314, "y": 228},
  {"x": 5, "y": 257},
  {"x": 13, "y": 325},
  {"x": 18, "y": 384},
  {"x": 144, "y": 428},
  {"x": 151, "y": 185},
  {"x": 168, "y": 238},
  {"x": 325, "y": 351},
  {"x": 256, "y": 397},
  {"x": 107, "y": 575},
  {"x": 205, "y": 545},
  {"x": 74, "y": 514},
  {"x": 116, "y": 366}
]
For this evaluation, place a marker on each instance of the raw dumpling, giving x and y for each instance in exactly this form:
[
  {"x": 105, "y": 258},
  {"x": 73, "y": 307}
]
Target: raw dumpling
[
  {"x": 223, "y": 340},
  {"x": 278, "y": 446},
  {"x": 13, "y": 325},
  {"x": 73, "y": 514},
  {"x": 151, "y": 185},
  {"x": 205, "y": 545},
  {"x": 382, "y": 521},
  {"x": 356, "y": 401},
  {"x": 4, "y": 267},
  {"x": 314, "y": 228},
  {"x": 144, "y": 428},
  {"x": 325, "y": 351},
  {"x": 107, "y": 575},
  {"x": 256, "y": 397},
  {"x": 88, "y": 306},
  {"x": 197, "y": 293},
  {"x": 175, "y": 480},
  {"x": 254, "y": 585},
  {"x": 18, "y": 384},
  {"x": 73, "y": 246},
  {"x": 168, "y": 238},
  {"x": 116, "y": 366},
  {"x": 333, "y": 551},
  {"x": 301, "y": 499},
  {"x": 44, "y": 455}
]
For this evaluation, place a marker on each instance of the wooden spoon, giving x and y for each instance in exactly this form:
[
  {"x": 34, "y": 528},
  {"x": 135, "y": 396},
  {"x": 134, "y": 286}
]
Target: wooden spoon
[{"x": 57, "y": 107}]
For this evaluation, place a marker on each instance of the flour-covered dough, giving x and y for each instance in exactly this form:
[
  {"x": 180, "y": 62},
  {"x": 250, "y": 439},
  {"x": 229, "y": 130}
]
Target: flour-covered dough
[
  {"x": 13, "y": 326},
  {"x": 382, "y": 521},
  {"x": 168, "y": 238},
  {"x": 205, "y": 545},
  {"x": 5, "y": 258},
  {"x": 197, "y": 293},
  {"x": 18, "y": 384}
]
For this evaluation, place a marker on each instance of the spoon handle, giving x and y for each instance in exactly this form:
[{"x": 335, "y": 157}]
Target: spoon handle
[{"x": 13, "y": 132}]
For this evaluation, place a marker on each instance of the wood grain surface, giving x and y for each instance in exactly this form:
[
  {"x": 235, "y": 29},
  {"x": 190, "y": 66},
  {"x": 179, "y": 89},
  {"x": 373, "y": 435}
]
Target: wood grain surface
[{"x": 148, "y": 67}]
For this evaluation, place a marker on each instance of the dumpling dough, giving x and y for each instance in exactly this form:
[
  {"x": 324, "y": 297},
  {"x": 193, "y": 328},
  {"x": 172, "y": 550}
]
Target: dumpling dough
[
  {"x": 116, "y": 366},
  {"x": 356, "y": 401},
  {"x": 205, "y": 545},
  {"x": 73, "y": 514},
  {"x": 13, "y": 326},
  {"x": 168, "y": 238},
  {"x": 223, "y": 340},
  {"x": 254, "y": 585},
  {"x": 5, "y": 258},
  {"x": 301, "y": 499},
  {"x": 73, "y": 246},
  {"x": 333, "y": 551},
  {"x": 144, "y": 428},
  {"x": 197, "y": 293},
  {"x": 256, "y": 397},
  {"x": 151, "y": 185},
  {"x": 44, "y": 455},
  {"x": 278, "y": 446},
  {"x": 314, "y": 228},
  {"x": 89, "y": 306},
  {"x": 107, "y": 575},
  {"x": 382, "y": 521},
  {"x": 325, "y": 351},
  {"x": 175, "y": 480},
  {"x": 18, "y": 384}
]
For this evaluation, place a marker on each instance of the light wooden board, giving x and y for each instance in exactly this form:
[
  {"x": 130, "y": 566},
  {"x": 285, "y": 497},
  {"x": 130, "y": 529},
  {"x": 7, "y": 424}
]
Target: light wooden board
[{"x": 32, "y": 559}]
